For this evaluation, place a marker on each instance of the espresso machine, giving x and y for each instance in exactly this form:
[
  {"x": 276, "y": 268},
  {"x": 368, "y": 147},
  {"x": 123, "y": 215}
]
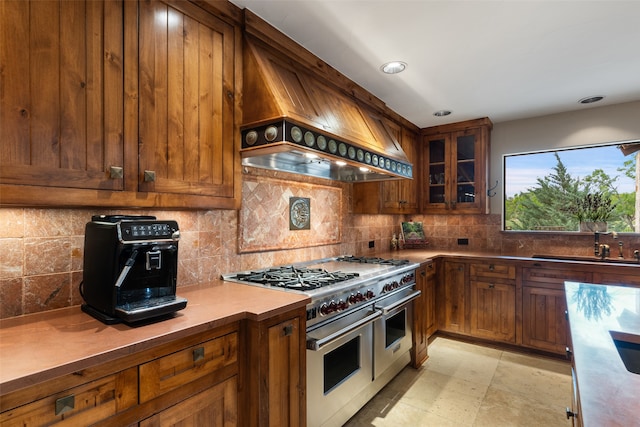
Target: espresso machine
[{"x": 130, "y": 268}]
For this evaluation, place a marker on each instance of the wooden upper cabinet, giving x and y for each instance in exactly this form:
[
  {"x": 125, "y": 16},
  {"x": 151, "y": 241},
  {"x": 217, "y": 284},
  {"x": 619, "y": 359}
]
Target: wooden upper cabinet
[
  {"x": 119, "y": 104},
  {"x": 398, "y": 196},
  {"x": 186, "y": 100},
  {"x": 61, "y": 103},
  {"x": 455, "y": 162}
]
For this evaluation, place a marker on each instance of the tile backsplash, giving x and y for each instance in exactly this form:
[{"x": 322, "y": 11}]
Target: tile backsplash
[{"x": 41, "y": 250}]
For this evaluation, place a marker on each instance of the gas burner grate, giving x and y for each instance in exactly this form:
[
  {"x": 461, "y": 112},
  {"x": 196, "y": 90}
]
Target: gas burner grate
[
  {"x": 300, "y": 278},
  {"x": 373, "y": 260}
]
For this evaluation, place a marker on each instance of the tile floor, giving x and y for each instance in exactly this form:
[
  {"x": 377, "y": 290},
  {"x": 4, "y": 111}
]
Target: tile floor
[{"x": 464, "y": 384}]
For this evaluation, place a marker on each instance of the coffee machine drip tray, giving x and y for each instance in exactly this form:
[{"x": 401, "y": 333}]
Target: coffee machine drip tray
[{"x": 134, "y": 312}]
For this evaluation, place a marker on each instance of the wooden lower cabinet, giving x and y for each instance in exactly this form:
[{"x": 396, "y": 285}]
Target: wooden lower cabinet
[
  {"x": 451, "y": 294},
  {"x": 544, "y": 322},
  {"x": 544, "y": 319},
  {"x": 424, "y": 316},
  {"x": 493, "y": 310},
  {"x": 83, "y": 404},
  {"x": 247, "y": 373},
  {"x": 275, "y": 372},
  {"x": 430, "y": 298},
  {"x": 216, "y": 406}
]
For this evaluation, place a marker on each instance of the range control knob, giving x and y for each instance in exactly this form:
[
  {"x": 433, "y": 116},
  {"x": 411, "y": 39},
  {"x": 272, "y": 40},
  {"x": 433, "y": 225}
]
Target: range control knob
[
  {"x": 369, "y": 294},
  {"x": 342, "y": 305},
  {"x": 324, "y": 310},
  {"x": 353, "y": 299},
  {"x": 333, "y": 307}
]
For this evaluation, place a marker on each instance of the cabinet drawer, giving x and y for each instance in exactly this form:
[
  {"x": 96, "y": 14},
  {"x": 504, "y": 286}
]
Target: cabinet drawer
[
  {"x": 177, "y": 369},
  {"x": 552, "y": 278},
  {"x": 493, "y": 270},
  {"x": 82, "y": 405}
]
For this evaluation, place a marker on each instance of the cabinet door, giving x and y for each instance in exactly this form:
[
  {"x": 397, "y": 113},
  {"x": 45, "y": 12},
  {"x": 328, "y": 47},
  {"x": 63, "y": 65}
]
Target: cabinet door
[
  {"x": 284, "y": 379},
  {"x": 452, "y": 290},
  {"x": 420, "y": 314},
  {"x": 186, "y": 106},
  {"x": 430, "y": 299},
  {"x": 401, "y": 195},
  {"x": 493, "y": 310},
  {"x": 61, "y": 108},
  {"x": 544, "y": 322},
  {"x": 435, "y": 155},
  {"x": 216, "y": 407},
  {"x": 466, "y": 184},
  {"x": 455, "y": 161}
]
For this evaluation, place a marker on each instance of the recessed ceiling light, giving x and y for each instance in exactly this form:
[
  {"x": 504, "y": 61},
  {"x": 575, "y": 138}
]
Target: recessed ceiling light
[
  {"x": 591, "y": 99},
  {"x": 393, "y": 67},
  {"x": 442, "y": 113}
]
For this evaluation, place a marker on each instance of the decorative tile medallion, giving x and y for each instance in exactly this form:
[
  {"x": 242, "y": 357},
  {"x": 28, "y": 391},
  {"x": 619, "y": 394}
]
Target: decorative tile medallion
[{"x": 299, "y": 213}]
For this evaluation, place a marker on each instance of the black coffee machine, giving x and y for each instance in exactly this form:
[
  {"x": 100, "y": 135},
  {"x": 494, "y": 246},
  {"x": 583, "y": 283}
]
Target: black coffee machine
[{"x": 130, "y": 268}]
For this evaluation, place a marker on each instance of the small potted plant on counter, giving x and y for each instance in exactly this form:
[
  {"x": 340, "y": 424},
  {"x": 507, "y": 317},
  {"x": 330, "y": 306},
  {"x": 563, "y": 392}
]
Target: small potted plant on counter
[{"x": 593, "y": 211}]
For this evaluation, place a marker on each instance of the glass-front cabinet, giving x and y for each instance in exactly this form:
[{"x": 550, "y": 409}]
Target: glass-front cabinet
[{"x": 455, "y": 160}]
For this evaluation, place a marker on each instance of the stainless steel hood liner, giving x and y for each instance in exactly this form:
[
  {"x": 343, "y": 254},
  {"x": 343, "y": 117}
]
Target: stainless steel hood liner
[{"x": 290, "y": 147}]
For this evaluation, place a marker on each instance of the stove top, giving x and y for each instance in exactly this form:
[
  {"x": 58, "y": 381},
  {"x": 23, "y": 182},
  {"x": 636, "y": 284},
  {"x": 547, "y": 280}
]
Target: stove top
[
  {"x": 300, "y": 278},
  {"x": 314, "y": 277},
  {"x": 335, "y": 285},
  {"x": 373, "y": 260}
]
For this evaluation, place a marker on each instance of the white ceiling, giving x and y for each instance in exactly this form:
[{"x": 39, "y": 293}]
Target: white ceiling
[{"x": 507, "y": 60}]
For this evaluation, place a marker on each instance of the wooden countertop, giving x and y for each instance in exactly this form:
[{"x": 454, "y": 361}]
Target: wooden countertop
[
  {"x": 42, "y": 346},
  {"x": 608, "y": 392}
]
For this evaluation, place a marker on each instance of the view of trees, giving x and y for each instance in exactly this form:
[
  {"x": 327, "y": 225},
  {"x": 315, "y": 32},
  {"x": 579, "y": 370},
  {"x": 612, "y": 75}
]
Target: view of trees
[{"x": 558, "y": 200}]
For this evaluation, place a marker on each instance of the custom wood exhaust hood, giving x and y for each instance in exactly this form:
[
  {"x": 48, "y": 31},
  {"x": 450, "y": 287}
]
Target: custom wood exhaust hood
[{"x": 295, "y": 122}]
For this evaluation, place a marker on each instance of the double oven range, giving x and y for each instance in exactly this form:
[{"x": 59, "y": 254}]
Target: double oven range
[{"x": 358, "y": 327}]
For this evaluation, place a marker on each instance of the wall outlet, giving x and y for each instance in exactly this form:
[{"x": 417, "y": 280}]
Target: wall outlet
[
  {"x": 463, "y": 242},
  {"x": 372, "y": 244}
]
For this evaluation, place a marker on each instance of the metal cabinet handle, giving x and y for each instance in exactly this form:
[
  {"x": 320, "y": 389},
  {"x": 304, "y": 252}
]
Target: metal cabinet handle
[
  {"x": 287, "y": 330},
  {"x": 116, "y": 172},
  {"x": 570, "y": 413},
  {"x": 569, "y": 352},
  {"x": 492, "y": 267},
  {"x": 65, "y": 404},
  {"x": 198, "y": 354},
  {"x": 149, "y": 176},
  {"x": 492, "y": 285}
]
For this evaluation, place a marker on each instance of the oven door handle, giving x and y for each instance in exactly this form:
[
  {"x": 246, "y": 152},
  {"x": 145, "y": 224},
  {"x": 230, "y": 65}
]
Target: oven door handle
[
  {"x": 316, "y": 344},
  {"x": 386, "y": 310}
]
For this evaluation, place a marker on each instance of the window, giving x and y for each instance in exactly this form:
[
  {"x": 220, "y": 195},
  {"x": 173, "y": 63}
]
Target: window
[{"x": 560, "y": 189}]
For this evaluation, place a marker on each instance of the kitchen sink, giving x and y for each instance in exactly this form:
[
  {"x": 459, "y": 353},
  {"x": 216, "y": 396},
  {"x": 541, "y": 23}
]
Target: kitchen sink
[
  {"x": 628, "y": 346},
  {"x": 588, "y": 259}
]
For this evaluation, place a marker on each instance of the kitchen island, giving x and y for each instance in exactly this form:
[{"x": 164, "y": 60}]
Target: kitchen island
[{"x": 606, "y": 393}]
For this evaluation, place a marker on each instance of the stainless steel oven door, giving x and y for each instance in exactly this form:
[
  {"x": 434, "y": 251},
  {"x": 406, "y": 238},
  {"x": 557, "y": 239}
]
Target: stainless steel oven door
[
  {"x": 339, "y": 364},
  {"x": 392, "y": 332}
]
